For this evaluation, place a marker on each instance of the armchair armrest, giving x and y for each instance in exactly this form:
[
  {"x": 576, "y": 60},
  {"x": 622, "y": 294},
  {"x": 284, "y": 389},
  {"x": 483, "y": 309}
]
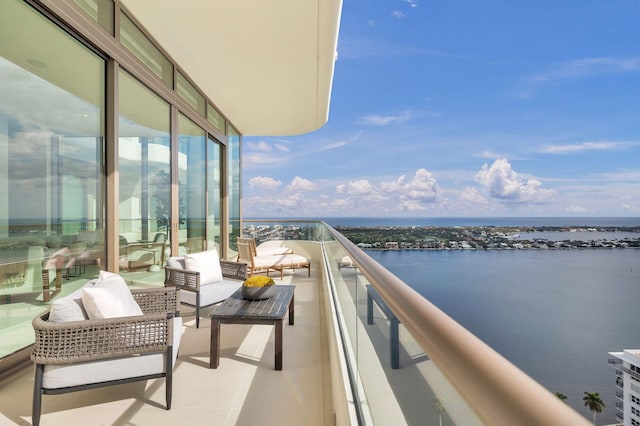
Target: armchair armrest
[
  {"x": 183, "y": 279},
  {"x": 234, "y": 270},
  {"x": 89, "y": 340}
]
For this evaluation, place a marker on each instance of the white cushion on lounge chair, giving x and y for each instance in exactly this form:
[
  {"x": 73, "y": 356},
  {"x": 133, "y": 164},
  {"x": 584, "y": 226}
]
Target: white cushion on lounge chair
[
  {"x": 64, "y": 375},
  {"x": 211, "y": 292},
  {"x": 275, "y": 260},
  {"x": 292, "y": 260},
  {"x": 270, "y": 251}
]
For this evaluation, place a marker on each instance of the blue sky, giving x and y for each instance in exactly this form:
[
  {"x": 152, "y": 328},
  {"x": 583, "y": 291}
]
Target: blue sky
[{"x": 465, "y": 108}]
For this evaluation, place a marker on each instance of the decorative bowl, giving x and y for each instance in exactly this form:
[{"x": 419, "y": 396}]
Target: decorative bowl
[{"x": 258, "y": 293}]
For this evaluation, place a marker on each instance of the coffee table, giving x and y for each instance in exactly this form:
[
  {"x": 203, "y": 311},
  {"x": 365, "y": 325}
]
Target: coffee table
[{"x": 236, "y": 310}]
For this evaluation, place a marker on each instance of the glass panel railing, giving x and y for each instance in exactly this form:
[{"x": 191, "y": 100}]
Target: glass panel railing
[
  {"x": 269, "y": 230},
  {"x": 395, "y": 378},
  {"x": 408, "y": 362}
]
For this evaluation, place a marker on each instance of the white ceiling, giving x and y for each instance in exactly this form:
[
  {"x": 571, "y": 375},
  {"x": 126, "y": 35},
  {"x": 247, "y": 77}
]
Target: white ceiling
[{"x": 266, "y": 64}]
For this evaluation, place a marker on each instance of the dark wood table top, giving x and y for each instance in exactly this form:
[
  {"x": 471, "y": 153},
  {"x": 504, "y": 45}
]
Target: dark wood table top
[{"x": 236, "y": 307}]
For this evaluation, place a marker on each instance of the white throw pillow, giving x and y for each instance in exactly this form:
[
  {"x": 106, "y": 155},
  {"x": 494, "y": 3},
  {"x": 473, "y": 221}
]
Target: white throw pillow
[
  {"x": 101, "y": 303},
  {"x": 110, "y": 297},
  {"x": 207, "y": 263},
  {"x": 68, "y": 308}
]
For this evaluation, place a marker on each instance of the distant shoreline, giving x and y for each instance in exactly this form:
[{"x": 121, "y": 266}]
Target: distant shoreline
[{"x": 489, "y": 237}]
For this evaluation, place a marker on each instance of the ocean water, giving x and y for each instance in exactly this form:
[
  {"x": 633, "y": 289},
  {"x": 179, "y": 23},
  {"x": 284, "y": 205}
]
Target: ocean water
[
  {"x": 484, "y": 221},
  {"x": 554, "y": 313}
]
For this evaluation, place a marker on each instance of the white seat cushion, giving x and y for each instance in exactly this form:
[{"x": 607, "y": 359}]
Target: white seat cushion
[
  {"x": 82, "y": 373},
  {"x": 211, "y": 293}
]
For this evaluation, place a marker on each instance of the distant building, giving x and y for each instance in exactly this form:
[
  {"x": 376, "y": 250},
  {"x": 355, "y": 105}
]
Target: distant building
[
  {"x": 392, "y": 245},
  {"x": 627, "y": 365}
]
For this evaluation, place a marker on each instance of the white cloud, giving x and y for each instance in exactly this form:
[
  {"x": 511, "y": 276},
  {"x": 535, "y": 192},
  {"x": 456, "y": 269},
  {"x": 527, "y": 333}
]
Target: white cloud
[
  {"x": 588, "y": 67},
  {"x": 490, "y": 155},
  {"x": 260, "y": 146},
  {"x": 412, "y": 3},
  {"x": 576, "y": 209},
  {"x": 631, "y": 208},
  {"x": 299, "y": 184},
  {"x": 412, "y": 206},
  {"x": 350, "y": 47},
  {"x": 398, "y": 14},
  {"x": 422, "y": 188},
  {"x": 385, "y": 120},
  {"x": 357, "y": 187},
  {"x": 281, "y": 147},
  {"x": 264, "y": 183},
  {"x": 503, "y": 183},
  {"x": 579, "y": 68},
  {"x": 581, "y": 147},
  {"x": 472, "y": 195},
  {"x": 251, "y": 159}
]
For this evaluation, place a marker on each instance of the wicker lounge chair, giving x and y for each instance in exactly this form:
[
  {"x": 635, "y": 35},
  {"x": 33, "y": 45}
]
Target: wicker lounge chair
[
  {"x": 86, "y": 354},
  {"x": 276, "y": 262},
  {"x": 200, "y": 290}
]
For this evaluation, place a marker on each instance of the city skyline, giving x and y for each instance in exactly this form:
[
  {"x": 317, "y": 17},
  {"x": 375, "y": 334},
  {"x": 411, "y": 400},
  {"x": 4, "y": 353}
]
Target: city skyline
[{"x": 466, "y": 109}]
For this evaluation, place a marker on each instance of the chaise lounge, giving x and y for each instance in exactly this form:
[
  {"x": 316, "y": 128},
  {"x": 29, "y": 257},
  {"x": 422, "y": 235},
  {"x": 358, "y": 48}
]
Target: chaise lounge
[{"x": 274, "y": 262}]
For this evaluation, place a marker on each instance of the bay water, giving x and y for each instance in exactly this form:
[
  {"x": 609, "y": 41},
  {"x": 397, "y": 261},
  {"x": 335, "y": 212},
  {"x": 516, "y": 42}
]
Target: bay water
[{"x": 553, "y": 313}]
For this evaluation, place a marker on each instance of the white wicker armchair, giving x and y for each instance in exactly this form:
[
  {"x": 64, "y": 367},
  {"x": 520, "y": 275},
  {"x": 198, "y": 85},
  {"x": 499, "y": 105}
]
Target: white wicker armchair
[
  {"x": 79, "y": 355},
  {"x": 197, "y": 287}
]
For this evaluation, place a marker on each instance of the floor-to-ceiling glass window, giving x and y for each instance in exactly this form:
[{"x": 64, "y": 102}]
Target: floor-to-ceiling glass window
[
  {"x": 145, "y": 178},
  {"x": 52, "y": 91},
  {"x": 214, "y": 182},
  {"x": 192, "y": 185},
  {"x": 233, "y": 154}
]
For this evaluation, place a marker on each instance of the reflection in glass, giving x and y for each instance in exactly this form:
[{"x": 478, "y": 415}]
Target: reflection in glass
[
  {"x": 51, "y": 168},
  {"x": 233, "y": 153},
  {"x": 144, "y": 158},
  {"x": 214, "y": 182},
  {"x": 215, "y": 118},
  {"x": 137, "y": 43},
  {"x": 100, "y": 10},
  {"x": 191, "y": 177},
  {"x": 190, "y": 94}
]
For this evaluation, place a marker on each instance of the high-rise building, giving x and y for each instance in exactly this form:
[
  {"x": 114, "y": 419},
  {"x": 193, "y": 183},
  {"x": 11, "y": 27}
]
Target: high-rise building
[{"x": 627, "y": 365}]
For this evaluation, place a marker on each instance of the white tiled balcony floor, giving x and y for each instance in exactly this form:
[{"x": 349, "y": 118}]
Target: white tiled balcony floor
[{"x": 244, "y": 390}]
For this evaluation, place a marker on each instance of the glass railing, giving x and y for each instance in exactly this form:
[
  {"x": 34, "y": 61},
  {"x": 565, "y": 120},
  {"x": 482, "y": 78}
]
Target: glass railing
[
  {"x": 405, "y": 360},
  {"x": 266, "y": 230}
]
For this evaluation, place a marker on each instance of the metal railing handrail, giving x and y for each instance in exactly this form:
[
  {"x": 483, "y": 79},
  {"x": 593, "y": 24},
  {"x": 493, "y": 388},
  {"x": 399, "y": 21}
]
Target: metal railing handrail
[{"x": 499, "y": 392}]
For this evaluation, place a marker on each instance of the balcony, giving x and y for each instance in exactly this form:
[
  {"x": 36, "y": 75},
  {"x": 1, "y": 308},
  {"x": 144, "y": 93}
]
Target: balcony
[{"x": 336, "y": 365}]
